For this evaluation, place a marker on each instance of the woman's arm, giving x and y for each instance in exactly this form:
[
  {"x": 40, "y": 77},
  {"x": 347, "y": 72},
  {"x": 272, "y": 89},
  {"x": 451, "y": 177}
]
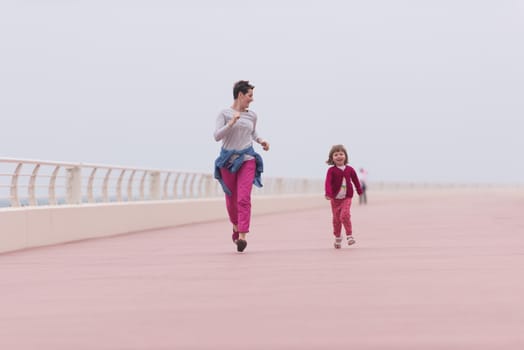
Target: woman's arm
[
  {"x": 258, "y": 139},
  {"x": 223, "y": 127}
]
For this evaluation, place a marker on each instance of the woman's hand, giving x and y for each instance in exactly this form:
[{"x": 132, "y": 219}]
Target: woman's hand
[
  {"x": 265, "y": 145},
  {"x": 233, "y": 120}
]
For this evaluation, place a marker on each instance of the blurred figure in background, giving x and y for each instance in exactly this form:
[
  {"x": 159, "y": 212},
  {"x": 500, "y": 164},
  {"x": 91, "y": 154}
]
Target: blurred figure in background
[{"x": 362, "y": 176}]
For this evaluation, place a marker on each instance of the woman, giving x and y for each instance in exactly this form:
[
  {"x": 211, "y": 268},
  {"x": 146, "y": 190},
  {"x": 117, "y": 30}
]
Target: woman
[{"x": 238, "y": 166}]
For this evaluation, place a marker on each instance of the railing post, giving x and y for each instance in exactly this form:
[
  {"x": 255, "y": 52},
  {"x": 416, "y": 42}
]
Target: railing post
[
  {"x": 208, "y": 189},
  {"x": 105, "y": 185},
  {"x": 130, "y": 186},
  {"x": 74, "y": 185},
  {"x": 32, "y": 186},
  {"x": 52, "y": 186},
  {"x": 119, "y": 186},
  {"x": 142, "y": 186},
  {"x": 90, "y": 196},
  {"x": 15, "y": 202},
  {"x": 175, "y": 186},
  {"x": 154, "y": 185},
  {"x": 165, "y": 195}
]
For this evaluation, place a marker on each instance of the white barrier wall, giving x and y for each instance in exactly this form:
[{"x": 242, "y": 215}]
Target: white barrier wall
[{"x": 28, "y": 227}]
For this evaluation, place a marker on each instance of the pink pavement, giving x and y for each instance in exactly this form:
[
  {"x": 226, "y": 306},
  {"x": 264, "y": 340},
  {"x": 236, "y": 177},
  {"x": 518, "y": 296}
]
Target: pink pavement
[{"x": 430, "y": 270}]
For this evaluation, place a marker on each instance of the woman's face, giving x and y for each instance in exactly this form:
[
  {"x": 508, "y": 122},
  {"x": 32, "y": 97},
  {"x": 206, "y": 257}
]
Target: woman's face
[{"x": 245, "y": 99}]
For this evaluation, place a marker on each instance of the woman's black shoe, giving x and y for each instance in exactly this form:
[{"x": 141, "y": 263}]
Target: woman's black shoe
[{"x": 241, "y": 245}]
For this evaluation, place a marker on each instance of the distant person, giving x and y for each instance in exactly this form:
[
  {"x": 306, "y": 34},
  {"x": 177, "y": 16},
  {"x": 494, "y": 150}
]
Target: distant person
[
  {"x": 363, "y": 176},
  {"x": 340, "y": 179},
  {"x": 238, "y": 166}
]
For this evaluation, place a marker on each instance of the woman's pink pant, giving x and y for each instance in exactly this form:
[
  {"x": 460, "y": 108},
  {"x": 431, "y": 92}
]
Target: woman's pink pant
[
  {"x": 341, "y": 215},
  {"x": 239, "y": 202}
]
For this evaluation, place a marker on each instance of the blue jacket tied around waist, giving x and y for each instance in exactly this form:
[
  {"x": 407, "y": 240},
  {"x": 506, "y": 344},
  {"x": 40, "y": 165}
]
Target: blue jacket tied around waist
[{"x": 223, "y": 162}]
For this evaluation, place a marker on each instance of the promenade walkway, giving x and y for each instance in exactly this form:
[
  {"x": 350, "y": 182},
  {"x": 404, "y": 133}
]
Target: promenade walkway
[{"x": 430, "y": 270}]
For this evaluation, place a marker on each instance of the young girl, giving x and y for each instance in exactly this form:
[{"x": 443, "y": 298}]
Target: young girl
[{"x": 339, "y": 190}]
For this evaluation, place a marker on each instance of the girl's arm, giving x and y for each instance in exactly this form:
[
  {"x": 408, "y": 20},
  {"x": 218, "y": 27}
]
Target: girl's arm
[
  {"x": 356, "y": 182},
  {"x": 327, "y": 185}
]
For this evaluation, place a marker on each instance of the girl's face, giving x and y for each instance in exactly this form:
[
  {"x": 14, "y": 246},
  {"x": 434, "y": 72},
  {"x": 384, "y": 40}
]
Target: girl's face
[{"x": 339, "y": 158}]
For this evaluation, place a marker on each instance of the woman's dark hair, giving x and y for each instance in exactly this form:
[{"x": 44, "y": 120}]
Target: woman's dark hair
[{"x": 241, "y": 86}]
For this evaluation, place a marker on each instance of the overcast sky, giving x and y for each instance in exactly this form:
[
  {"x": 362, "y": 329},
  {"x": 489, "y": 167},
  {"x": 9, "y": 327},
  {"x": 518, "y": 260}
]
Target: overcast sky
[{"x": 417, "y": 90}]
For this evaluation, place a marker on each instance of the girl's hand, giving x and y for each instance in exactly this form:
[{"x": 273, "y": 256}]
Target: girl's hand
[{"x": 328, "y": 198}]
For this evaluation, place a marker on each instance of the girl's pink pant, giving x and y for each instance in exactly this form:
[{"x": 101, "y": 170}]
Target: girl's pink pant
[
  {"x": 341, "y": 216},
  {"x": 238, "y": 204}
]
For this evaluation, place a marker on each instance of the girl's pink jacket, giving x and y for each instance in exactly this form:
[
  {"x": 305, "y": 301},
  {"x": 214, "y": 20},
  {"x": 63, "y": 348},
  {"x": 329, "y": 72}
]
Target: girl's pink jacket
[{"x": 334, "y": 178}]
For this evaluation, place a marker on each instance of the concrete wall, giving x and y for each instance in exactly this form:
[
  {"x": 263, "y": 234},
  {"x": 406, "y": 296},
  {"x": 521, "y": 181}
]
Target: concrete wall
[{"x": 28, "y": 227}]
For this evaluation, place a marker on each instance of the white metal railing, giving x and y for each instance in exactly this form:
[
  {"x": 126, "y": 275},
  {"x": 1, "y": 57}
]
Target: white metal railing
[{"x": 25, "y": 182}]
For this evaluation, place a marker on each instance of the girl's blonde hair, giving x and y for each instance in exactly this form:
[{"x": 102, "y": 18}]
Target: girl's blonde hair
[{"x": 337, "y": 148}]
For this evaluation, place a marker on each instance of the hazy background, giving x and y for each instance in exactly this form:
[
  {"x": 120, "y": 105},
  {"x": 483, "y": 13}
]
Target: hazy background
[{"x": 417, "y": 90}]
